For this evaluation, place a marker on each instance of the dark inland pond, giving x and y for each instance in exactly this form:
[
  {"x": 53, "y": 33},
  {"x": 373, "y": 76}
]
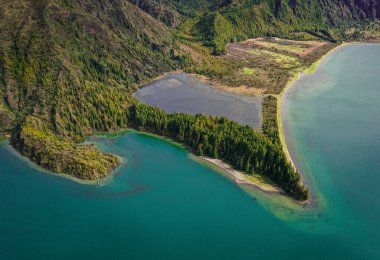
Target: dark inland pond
[{"x": 181, "y": 92}]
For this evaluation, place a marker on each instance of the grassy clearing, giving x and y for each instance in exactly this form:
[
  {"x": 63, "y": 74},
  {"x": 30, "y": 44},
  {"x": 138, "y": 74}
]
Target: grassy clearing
[
  {"x": 261, "y": 181},
  {"x": 246, "y": 64},
  {"x": 294, "y": 48},
  {"x": 248, "y": 71},
  {"x": 279, "y": 58}
]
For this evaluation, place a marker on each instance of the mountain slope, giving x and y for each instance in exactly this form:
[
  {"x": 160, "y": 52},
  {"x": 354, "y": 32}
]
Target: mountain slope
[
  {"x": 241, "y": 19},
  {"x": 55, "y": 52},
  {"x": 67, "y": 68}
]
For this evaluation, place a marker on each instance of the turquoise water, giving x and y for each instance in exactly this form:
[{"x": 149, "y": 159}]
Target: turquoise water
[
  {"x": 332, "y": 125},
  {"x": 161, "y": 204}
]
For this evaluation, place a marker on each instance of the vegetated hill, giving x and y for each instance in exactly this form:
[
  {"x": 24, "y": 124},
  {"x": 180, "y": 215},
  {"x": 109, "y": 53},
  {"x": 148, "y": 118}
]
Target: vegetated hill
[
  {"x": 58, "y": 55},
  {"x": 236, "y": 20},
  {"x": 162, "y": 10},
  {"x": 66, "y": 67},
  {"x": 172, "y": 12}
]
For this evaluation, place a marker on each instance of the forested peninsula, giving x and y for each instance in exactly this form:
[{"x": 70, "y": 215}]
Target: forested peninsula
[{"x": 68, "y": 69}]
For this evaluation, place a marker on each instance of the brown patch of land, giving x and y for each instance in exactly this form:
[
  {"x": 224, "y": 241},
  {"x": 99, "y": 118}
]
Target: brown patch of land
[
  {"x": 269, "y": 63},
  {"x": 240, "y": 90},
  {"x": 255, "y": 67}
]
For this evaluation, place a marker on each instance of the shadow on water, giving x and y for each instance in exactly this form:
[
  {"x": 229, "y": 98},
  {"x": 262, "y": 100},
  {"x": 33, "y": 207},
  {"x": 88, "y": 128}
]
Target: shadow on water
[{"x": 114, "y": 194}]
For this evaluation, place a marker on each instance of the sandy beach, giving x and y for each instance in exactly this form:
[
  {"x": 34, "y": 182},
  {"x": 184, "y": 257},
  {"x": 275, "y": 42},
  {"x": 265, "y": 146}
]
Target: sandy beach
[{"x": 241, "y": 178}]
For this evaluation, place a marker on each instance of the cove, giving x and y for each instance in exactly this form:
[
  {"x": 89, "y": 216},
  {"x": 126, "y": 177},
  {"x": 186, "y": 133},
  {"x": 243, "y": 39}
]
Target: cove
[
  {"x": 159, "y": 205},
  {"x": 162, "y": 204}
]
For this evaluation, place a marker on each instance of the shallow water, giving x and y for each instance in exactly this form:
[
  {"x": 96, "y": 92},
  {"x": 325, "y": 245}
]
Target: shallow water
[
  {"x": 161, "y": 204},
  {"x": 332, "y": 125},
  {"x": 180, "y": 92}
]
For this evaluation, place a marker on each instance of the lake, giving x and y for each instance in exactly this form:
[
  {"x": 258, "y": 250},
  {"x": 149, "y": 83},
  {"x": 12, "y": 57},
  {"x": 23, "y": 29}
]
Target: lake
[
  {"x": 181, "y": 92},
  {"x": 162, "y": 204}
]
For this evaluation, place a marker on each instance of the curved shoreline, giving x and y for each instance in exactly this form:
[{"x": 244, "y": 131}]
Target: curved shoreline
[
  {"x": 280, "y": 99},
  {"x": 237, "y": 176},
  {"x": 99, "y": 182}
]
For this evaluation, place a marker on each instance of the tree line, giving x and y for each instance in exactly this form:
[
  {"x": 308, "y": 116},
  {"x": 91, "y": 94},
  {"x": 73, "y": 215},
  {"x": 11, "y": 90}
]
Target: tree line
[{"x": 221, "y": 138}]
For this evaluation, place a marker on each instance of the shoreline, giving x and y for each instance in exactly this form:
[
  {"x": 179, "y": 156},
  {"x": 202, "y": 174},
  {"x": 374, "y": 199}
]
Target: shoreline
[
  {"x": 144, "y": 84},
  {"x": 239, "y": 177},
  {"x": 242, "y": 180},
  {"x": 256, "y": 182},
  {"x": 99, "y": 182},
  {"x": 280, "y": 99}
]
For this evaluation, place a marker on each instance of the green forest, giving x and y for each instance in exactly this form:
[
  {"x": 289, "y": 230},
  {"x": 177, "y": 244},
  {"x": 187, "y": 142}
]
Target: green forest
[{"x": 221, "y": 138}]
